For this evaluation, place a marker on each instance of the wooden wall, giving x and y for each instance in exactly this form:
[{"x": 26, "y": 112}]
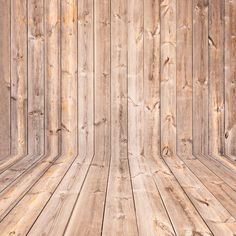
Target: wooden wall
[{"x": 111, "y": 78}]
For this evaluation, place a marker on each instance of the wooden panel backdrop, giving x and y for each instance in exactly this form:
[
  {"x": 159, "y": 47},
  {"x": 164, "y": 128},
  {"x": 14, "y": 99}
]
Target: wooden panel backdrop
[{"x": 107, "y": 100}]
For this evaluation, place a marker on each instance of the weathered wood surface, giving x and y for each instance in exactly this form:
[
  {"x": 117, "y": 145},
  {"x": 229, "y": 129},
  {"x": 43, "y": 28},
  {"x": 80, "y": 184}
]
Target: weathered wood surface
[
  {"x": 93, "y": 193},
  {"x": 216, "y": 78},
  {"x": 230, "y": 81},
  {"x": 19, "y": 77},
  {"x": 117, "y": 117},
  {"x": 200, "y": 76},
  {"x": 168, "y": 77},
  {"x": 36, "y": 77},
  {"x": 5, "y": 79},
  {"x": 119, "y": 202}
]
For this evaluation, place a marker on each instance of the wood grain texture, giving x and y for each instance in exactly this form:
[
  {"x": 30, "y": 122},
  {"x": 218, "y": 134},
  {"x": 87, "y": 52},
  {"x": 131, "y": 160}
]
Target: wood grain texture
[
  {"x": 184, "y": 78},
  {"x": 69, "y": 77},
  {"x": 216, "y": 78},
  {"x": 19, "y": 77},
  {"x": 62, "y": 202},
  {"x": 200, "y": 76},
  {"x": 93, "y": 193},
  {"x": 143, "y": 149},
  {"x": 230, "y": 85},
  {"x": 209, "y": 176},
  {"x": 52, "y": 76},
  {"x": 86, "y": 79},
  {"x": 36, "y": 77},
  {"x": 117, "y": 117},
  {"x": 119, "y": 200},
  {"x": 168, "y": 77},
  {"x": 18, "y": 83},
  {"x": 5, "y": 81}
]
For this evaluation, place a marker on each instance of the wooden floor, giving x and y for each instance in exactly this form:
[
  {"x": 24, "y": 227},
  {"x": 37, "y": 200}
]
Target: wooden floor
[{"x": 118, "y": 117}]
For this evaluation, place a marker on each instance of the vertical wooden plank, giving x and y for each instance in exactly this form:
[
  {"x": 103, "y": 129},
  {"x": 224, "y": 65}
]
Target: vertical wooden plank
[
  {"x": 120, "y": 218},
  {"x": 18, "y": 77},
  {"x": 36, "y": 68},
  {"x": 184, "y": 77},
  {"x": 151, "y": 77},
  {"x": 135, "y": 110},
  {"x": 230, "y": 78},
  {"x": 5, "y": 78},
  {"x": 102, "y": 81},
  {"x": 69, "y": 77},
  {"x": 168, "y": 77},
  {"x": 85, "y": 79},
  {"x": 52, "y": 76},
  {"x": 200, "y": 76},
  {"x": 135, "y": 78},
  {"x": 93, "y": 193},
  {"x": 216, "y": 77}
]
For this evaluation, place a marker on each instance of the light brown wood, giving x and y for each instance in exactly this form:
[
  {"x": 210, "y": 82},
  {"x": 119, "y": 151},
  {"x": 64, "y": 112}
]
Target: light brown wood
[
  {"x": 52, "y": 77},
  {"x": 69, "y": 77},
  {"x": 208, "y": 175},
  {"x": 230, "y": 115},
  {"x": 62, "y": 202},
  {"x": 119, "y": 200},
  {"x": 117, "y": 117},
  {"x": 19, "y": 77},
  {"x": 148, "y": 202},
  {"x": 93, "y": 193},
  {"x": 184, "y": 78},
  {"x": 200, "y": 76},
  {"x": 168, "y": 77},
  {"x": 216, "y": 78},
  {"x": 5, "y": 81},
  {"x": 36, "y": 79}
]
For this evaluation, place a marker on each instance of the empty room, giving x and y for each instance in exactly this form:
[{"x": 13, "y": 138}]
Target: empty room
[{"x": 118, "y": 117}]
